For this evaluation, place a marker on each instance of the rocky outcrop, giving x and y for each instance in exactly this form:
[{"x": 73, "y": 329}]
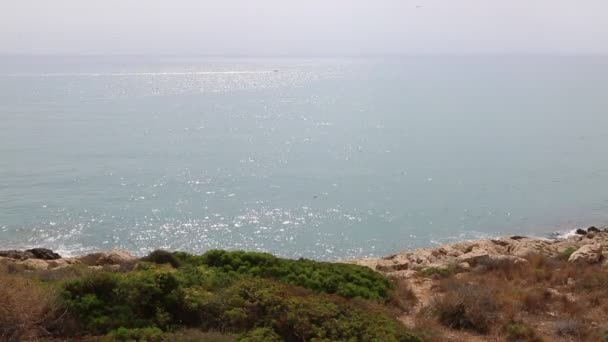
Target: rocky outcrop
[
  {"x": 34, "y": 253},
  {"x": 45, "y": 259},
  {"x": 43, "y": 253},
  {"x": 590, "y": 254},
  {"x": 113, "y": 257},
  {"x": 510, "y": 250}
]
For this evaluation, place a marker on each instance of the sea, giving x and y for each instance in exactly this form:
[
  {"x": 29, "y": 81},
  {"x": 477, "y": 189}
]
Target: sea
[{"x": 329, "y": 158}]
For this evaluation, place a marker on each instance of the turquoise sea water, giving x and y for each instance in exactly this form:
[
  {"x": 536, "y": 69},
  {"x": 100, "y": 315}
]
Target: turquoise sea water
[{"x": 327, "y": 158}]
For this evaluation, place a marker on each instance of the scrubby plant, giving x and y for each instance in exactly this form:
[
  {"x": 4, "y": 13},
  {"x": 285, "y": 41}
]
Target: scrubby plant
[
  {"x": 261, "y": 335},
  {"x": 160, "y": 256},
  {"x": 466, "y": 306},
  {"x": 345, "y": 280},
  {"x": 140, "y": 335},
  {"x": 439, "y": 272},
  {"x": 195, "y": 335},
  {"x": 126, "y": 304},
  {"x": 519, "y": 332},
  {"x": 567, "y": 253}
]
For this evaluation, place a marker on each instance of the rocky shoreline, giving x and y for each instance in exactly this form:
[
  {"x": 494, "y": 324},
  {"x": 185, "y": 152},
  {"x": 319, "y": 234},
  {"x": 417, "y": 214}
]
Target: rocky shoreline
[
  {"x": 586, "y": 245},
  {"x": 45, "y": 259}
]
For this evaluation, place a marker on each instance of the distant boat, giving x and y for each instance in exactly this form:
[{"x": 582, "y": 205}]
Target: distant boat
[{"x": 275, "y": 70}]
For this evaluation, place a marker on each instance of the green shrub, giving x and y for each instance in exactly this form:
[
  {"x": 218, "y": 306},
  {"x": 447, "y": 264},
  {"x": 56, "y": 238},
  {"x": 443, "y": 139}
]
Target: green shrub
[
  {"x": 519, "y": 332},
  {"x": 162, "y": 257},
  {"x": 230, "y": 292},
  {"x": 297, "y": 315},
  {"x": 107, "y": 301},
  {"x": 194, "y": 335},
  {"x": 139, "y": 335},
  {"x": 261, "y": 335},
  {"x": 568, "y": 252},
  {"x": 321, "y": 277}
]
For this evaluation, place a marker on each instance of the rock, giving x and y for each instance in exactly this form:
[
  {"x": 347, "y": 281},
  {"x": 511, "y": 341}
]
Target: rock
[
  {"x": 517, "y": 237},
  {"x": 44, "y": 254},
  {"x": 35, "y": 264},
  {"x": 385, "y": 267},
  {"x": 404, "y": 274},
  {"x": 464, "y": 266},
  {"x": 570, "y": 281},
  {"x": 15, "y": 254},
  {"x": 590, "y": 235},
  {"x": 592, "y": 229},
  {"x": 523, "y": 251},
  {"x": 581, "y": 232},
  {"x": 507, "y": 259},
  {"x": 590, "y": 254},
  {"x": 474, "y": 257},
  {"x": 500, "y": 242},
  {"x": 113, "y": 257}
]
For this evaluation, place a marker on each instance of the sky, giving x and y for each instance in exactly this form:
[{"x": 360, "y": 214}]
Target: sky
[{"x": 307, "y": 27}]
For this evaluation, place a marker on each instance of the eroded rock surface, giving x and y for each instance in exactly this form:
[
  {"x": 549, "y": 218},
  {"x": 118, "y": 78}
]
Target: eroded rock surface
[{"x": 589, "y": 248}]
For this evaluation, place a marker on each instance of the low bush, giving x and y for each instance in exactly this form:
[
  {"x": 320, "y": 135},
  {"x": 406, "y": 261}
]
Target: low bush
[
  {"x": 261, "y": 335},
  {"x": 128, "y": 305},
  {"x": 162, "y": 257},
  {"x": 466, "y": 306},
  {"x": 519, "y": 332},
  {"x": 194, "y": 335},
  {"x": 346, "y": 280},
  {"x": 140, "y": 335}
]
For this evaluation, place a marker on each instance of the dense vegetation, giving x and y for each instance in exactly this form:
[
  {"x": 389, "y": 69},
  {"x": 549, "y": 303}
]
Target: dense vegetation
[
  {"x": 231, "y": 295},
  {"x": 321, "y": 277}
]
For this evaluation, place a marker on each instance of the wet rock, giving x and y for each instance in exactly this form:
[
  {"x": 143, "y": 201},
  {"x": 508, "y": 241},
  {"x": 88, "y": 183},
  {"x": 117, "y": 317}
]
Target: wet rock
[
  {"x": 581, "y": 232},
  {"x": 592, "y": 229},
  {"x": 517, "y": 237},
  {"x": 590, "y": 254},
  {"x": 43, "y": 253}
]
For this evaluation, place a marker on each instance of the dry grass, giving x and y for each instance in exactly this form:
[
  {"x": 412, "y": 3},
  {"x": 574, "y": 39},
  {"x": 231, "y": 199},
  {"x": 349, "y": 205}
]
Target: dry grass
[
  {"x": 466, "y": 306},
  {"x": 25, "y": 309},
  {"x": 569, "y": 302},
  {"x": 403, "y": 297}
]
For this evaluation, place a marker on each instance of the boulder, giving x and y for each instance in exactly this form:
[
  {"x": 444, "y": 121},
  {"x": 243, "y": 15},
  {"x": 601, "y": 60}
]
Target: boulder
[
  {"x": 113, "y": 257},
  {"x": 474, "y": 257},
  {"x": 44, "y": 254},
  {"x": 592, "y": 229},
  {"x": 507, "y": 259},
  {"x": 590, "y": 254},
  {"x": 581, "y": 232}
]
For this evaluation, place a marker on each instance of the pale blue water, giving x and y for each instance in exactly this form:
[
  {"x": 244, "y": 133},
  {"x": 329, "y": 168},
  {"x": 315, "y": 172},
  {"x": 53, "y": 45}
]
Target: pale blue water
[{"x": 322, "y": 158}]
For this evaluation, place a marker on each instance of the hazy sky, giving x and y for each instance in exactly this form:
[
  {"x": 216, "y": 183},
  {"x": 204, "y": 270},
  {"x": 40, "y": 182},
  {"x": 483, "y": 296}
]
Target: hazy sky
[{"x": 303, "y": 27}]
